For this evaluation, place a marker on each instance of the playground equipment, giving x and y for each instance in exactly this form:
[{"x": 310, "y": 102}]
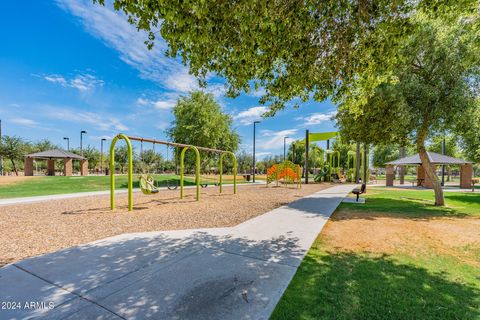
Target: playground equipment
[
  {"x": 287, "y": 170},
  {"x": 319, "y": 136},
  {"x": 147, "y": 184},
  {"x": 185, "y": 148},
  {"x": 334, "y": 158}
]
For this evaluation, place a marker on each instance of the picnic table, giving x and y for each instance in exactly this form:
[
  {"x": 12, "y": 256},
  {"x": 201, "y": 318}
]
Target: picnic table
[{"x": 419, "y": 182}]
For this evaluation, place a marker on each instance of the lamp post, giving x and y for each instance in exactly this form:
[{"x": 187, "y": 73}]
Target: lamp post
[
  {"x": 68, "y": 142},
  {"x": 101, "y": 155},
  {"x": 284, "y": 148},
  {"x": 81, "y": 141},
  {"x": 1, "y": 157},
  {"x": 253, "y": 164}
]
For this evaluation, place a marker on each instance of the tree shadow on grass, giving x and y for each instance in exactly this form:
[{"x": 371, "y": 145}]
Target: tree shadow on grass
[
  {"x": 351, "y": 286},
  {"x": 470, "y": 198},
  {"x": 408, "y": 208}
]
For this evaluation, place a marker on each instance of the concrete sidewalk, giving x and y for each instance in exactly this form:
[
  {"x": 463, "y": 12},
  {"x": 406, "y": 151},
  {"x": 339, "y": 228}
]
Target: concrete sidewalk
[{"x": 225, "y": 273}]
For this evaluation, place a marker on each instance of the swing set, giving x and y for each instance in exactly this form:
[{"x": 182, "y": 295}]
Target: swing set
[{"x": 146, "y": 181}]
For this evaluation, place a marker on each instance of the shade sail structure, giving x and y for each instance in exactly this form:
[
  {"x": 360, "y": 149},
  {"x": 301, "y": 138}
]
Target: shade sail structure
[
  {"x": 55, "y": 154},
  {"x": 435, "y": 158},
  {"x": 322, "y": 136}
]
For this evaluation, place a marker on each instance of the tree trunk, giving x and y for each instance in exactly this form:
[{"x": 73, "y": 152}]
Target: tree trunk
[
  {"x": 429, "y": 168},
  {"x": 14, "y": 167}
]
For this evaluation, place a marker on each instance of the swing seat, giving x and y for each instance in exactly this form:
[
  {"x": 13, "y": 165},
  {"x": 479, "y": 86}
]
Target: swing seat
[{"x": 147, "y": 184}]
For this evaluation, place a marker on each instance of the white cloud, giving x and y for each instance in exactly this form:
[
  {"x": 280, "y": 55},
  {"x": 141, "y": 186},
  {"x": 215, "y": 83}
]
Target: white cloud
[
  {"x": 143, "y": 102},
  {"x": 55, "y": 78},
  {"x": 257, "y": 93},
  {"x": 317, "y": 118},
  {"x": 112, "y": 27},
  {"x": 82, "y": 81},
  {"x": 162, "y": 125},
  {"x": 262, "y": 154},
  {"x": 25, "y": 122},
  {"x": 98, "y": 121},
  {"x": 253, "y": 114},
  {"x": 164, "y": 102},
  {"x": 274, "y": 139}
]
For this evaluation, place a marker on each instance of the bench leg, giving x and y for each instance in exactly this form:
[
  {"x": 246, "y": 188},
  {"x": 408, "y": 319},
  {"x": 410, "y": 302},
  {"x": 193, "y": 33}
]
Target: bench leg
[{"x": 358, "y": 194}]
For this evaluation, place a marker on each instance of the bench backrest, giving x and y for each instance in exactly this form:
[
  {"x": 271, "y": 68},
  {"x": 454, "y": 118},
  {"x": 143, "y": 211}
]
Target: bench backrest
[{"x": 364, "y": 186}]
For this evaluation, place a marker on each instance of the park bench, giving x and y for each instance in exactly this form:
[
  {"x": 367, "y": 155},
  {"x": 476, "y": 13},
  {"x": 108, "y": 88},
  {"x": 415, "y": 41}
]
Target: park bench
[
  {"x": 474, "y": 181},
  {"x": 359, "y": 191}
]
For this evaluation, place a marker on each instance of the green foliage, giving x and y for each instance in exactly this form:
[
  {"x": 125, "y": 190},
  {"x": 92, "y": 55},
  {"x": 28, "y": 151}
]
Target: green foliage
[
  {"x": 470, "y": 141},
  {"x": 451, "y": 145},
  {"x": 14, "y": 149},
  {"x": 244, "y": 162},
  {"x": 42, "y": 145},
  {"x": 384, "y": 153},
  {"x": 200, "y": 121},
  {"x": 343, "y": 147},
  {"x": 121, "y": 157},
  {"x": 92, "y": 155},
  {"x": 432, "y": 87},
  {"x": 152, "y": 161}
]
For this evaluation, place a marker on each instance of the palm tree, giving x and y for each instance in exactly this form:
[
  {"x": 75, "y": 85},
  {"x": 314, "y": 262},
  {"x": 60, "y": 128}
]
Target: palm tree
[{"x": 13, "y": 148}]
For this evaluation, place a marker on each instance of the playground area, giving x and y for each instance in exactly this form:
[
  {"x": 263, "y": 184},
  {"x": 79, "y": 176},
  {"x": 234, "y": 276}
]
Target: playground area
[{"x": 37, "y": 228}]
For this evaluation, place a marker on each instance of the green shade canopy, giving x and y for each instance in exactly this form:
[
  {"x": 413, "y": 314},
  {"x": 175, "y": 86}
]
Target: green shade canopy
[{"x": 321, "y": 136}]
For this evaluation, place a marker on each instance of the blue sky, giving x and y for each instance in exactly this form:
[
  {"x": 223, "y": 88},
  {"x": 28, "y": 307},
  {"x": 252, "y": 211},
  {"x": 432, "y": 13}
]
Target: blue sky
[{"x": 69, "y": 65}]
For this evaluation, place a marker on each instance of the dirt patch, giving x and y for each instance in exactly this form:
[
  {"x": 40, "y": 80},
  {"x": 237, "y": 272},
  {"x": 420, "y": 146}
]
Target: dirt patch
[
  {"x": 6, "y": 180},
  {"x": 32, "y": 229},
  {"x": 377, "y": 233}
]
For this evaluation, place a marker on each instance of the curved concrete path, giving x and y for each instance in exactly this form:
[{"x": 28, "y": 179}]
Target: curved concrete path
[{"x": 227, "y": 273}]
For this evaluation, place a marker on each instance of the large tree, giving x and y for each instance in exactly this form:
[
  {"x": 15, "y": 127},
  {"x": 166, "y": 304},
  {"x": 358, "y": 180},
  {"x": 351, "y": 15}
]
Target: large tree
[
  {"x": 199, "y": 121},
  {"x": 13, "y": 148},
  {"x": 433, "y": 87},
  {"x": 294, "y": 49},
  {"x": 299, "y": 50}
]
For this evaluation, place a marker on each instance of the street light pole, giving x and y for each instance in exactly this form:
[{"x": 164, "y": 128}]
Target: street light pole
[
  {"x": 1, "y": 156},
  {"x": 253, "y": 165},
  {"x": 101, "y": 155},
  {"x": 68, "y": 142},
  {"x": 284, "y": 148},
  {"x": 81, "y": 141}
]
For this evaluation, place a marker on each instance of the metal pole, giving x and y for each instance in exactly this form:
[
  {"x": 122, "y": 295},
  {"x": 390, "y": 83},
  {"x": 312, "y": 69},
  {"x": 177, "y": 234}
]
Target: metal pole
[
  {"x": 443, "y": 166},
  {"x": 284, "y": 148},
  {"x": 402, "y": 168},
  {"x": 254, "y": 164},
  {"x": 365, "y": 162},
  {"x": 306, "y": 155},
  {"x": 68, "y": 142},
  {"x": 293, "y": 152},
  {"x": 81, "y": 141},
  {"x": 1, "y": 156},
  {"x": 101, "y": 155},
  {"x": 357, "y": 164}
]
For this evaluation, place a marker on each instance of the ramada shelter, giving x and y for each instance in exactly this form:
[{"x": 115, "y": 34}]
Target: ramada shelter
[
  {"x": 53, "y": 155},
  {"x": 466, "y": 169}
]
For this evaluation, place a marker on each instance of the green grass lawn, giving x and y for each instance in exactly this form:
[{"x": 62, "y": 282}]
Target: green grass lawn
[
  {"x": 354, "y": 284},
  {"x": 60, "y": 185}
]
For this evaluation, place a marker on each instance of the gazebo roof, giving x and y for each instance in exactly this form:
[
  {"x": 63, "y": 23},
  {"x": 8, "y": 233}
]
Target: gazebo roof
[
  {"x": 55, "y": 154},
  {"x": 435, "y": 158}
]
